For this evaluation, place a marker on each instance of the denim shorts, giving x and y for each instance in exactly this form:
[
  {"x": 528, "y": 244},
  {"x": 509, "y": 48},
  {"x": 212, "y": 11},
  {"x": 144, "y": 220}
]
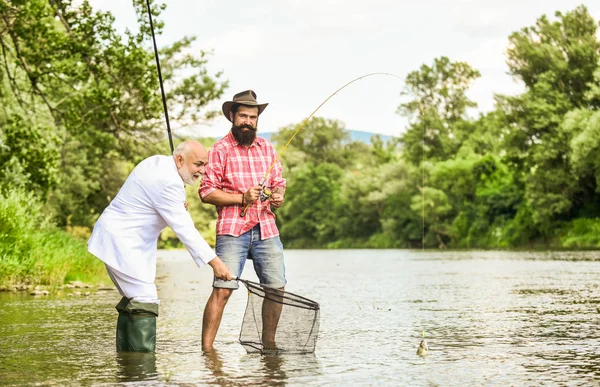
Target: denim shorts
[{"x": 266, "y": 255}]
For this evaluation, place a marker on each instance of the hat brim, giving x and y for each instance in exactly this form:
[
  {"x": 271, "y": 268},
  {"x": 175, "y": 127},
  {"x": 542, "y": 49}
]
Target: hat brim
[{"x": 229, "y": 104}]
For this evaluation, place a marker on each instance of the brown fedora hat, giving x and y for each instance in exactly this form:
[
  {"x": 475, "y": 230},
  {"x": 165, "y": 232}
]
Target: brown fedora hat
[{"x": 248, "y": 98}]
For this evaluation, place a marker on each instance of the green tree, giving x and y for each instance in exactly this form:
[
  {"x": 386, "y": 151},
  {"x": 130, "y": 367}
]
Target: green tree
[
  {"x": 319, "y": 141},
  {"x": 439, "y": 106},
  {"x": 308, "y": 217},
  {"x": 556, "y": 61},
  {"x": 22, "y": 164},
  {"x": 66, "y": 68},
  {"x": 391, "y": 189}
]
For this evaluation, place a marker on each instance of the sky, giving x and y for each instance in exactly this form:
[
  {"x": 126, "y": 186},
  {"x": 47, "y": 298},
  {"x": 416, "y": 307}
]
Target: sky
[{"x": 296, "y": 53}]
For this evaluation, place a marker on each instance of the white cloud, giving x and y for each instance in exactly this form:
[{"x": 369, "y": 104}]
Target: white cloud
[{"x": 295, "y": 53}]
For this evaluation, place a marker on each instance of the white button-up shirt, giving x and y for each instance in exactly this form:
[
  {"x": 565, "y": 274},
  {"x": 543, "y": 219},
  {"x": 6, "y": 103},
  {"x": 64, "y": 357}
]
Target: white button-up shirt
[{"x": 125, "y": 236}]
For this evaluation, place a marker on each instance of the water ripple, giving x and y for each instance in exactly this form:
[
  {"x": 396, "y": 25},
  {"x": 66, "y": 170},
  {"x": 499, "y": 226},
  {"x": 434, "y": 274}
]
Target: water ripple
[{"x": 489, "y": 318}]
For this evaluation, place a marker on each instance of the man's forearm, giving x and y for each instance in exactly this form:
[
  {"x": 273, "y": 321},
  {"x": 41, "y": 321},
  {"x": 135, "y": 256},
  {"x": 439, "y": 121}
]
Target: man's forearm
[
  {"x": 279, "y": 190},
  {"x": 220, "y": 198}
]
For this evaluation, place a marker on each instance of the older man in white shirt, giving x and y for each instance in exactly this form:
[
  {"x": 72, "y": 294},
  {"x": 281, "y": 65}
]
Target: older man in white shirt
[{"x": 126, "y": 234}]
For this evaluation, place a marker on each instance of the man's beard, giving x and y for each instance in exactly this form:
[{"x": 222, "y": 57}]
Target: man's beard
[
  {"x": 188, "y": 177},
  {"x": 244, "y": 137}
]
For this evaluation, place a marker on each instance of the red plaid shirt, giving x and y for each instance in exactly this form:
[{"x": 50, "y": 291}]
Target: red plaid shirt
[{"x": 233, "y": 168}]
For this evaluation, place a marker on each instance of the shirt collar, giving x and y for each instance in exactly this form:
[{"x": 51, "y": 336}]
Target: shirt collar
[{"x": 174, "y": 165}]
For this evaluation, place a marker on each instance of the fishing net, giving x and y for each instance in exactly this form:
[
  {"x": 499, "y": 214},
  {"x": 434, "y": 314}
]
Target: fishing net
[{"x": 278, "y": 322}]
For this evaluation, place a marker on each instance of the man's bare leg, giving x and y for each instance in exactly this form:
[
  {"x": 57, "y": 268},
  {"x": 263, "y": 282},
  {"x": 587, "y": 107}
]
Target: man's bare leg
[
  {"x": 271, "y": 312},
  {"x": 213, "y": 312}
]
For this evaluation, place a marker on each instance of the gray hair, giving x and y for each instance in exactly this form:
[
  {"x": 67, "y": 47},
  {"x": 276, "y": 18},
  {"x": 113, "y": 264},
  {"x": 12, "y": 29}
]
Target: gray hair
[{"x": 181, "y": 149}]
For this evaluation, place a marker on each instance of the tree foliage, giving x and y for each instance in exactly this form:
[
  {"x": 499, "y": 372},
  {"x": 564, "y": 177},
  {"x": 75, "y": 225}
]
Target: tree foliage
[
  {"x": 81, "y": 107},
  {"x": 81, "y": 102},
  {"x": 523, "y": 174}
]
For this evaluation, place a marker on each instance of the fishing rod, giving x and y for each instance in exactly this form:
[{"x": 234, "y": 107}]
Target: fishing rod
[
  {"x": 266, "y": 192},
  {"x": 160, "y": 80}
]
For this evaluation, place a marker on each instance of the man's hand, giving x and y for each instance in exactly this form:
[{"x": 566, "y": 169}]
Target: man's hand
[
  {"x": 220, "y": 269},
  {"x": 276, "y": 200},
  {"x": 252, "y": 194},
  {"x": 186, "y": 205}
]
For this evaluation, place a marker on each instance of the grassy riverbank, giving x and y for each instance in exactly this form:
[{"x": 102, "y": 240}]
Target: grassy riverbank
[{"x": 34, "y": 251}]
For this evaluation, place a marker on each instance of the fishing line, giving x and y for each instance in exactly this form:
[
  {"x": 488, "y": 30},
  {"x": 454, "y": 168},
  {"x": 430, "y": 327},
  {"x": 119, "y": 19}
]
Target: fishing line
[
  {"x": 421, "y": 110},
  {"x": 422, "y": 181},
  {"x": 262, "y": 183},
  {"x": 422, "y": 113},
  {"x": 160, "y": 80}
]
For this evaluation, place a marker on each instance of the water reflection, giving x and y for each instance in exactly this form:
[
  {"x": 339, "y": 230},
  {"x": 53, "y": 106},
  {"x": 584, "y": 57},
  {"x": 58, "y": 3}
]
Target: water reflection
[
  {"x": 136, "y": 366},
  {"x": 273, "y": 370},
  {"x": 259, "y": 370},
  {"x": 576, "y": 362},
  {"x": 214, "y": 363},
  {"x": 489, "y": 319}
]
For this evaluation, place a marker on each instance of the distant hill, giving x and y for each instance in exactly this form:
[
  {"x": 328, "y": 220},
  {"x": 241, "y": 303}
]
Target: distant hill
[{"x": 355, "y": 135}]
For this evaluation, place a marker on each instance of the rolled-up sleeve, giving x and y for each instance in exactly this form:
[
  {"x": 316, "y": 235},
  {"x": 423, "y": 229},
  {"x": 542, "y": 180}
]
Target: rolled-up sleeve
[
  {"x": 213, "y": 174},
  {"x": 277, "y": 172},
  {"x": 170, "y": 205}
]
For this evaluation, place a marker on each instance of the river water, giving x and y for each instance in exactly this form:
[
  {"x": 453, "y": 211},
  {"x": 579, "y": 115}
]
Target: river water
[{"x": 489, "y": 318}]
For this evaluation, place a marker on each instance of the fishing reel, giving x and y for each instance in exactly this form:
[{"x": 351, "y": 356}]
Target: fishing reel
[{"x": 265, "y": 194}]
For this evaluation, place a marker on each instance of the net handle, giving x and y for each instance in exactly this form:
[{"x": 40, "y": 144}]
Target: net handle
[{"x": 248, "y": 283}]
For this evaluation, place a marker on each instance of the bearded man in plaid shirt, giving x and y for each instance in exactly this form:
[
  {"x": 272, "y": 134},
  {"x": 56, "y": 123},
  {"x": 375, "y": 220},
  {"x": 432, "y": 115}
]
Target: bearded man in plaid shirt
[{"x": 236, "y": 166}]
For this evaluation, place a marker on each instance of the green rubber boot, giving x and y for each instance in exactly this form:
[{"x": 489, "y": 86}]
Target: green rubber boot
[
  {"x": 141, "y": 332},
  {"x": 136, "y": 326},
  {"x": 122, "y": 325},
  {"x": 122, "y": 332}
]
